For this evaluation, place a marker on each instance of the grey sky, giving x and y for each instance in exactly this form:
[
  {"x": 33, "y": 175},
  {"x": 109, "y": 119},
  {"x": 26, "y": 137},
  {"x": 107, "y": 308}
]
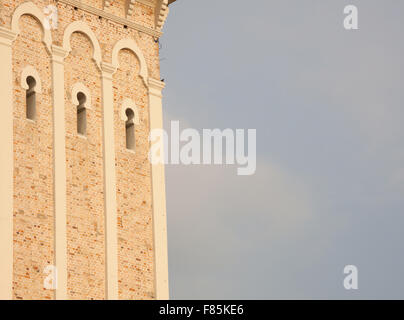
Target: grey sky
[{"x": 328, "y": 106}]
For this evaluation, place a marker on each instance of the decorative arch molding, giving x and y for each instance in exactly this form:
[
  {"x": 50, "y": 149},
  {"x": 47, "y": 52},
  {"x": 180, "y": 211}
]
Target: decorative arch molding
[
  {"x": 29, "y": 8},
  {"x": 30, "y": 71},
  {"x": 131, "y": 45},
  {"x": 82, "y": 27},
  {"x": 79, "y": 87},
  {"x": 129, "y": 104}
]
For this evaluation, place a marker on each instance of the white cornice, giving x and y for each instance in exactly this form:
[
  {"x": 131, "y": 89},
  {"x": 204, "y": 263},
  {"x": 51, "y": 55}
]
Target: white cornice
[
  {"x": 150, "y": 3},
  {"x": 106, "y": 15},
  {"x": 161, "y": 13},
  {"x": 130, "y": 7},
  {"x": 155, "y": 87}
]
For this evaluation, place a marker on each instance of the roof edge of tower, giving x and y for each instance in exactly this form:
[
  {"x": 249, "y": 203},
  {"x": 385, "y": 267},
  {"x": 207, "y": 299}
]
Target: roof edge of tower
[{"x": 160, "y": 8}]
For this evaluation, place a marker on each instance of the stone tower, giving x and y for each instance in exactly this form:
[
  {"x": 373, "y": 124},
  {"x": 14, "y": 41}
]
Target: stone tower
[{"x": 82, "y": 209}]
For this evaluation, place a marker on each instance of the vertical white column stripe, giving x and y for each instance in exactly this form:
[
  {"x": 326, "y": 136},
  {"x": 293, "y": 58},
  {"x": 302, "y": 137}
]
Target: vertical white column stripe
[
  {"x": 111, "y": 223},
  {"x": 159, "y": 197},
  {"x": 59, "y": 157},
  {"x": 6, "y": 164}
]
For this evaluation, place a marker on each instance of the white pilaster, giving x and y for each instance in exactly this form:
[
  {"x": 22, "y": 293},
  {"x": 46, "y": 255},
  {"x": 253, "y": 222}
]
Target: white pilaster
[
  {"x": 111, "y": 223},
  {"x": 59, "y": 157},
  {"x": 159, "y": 197},
  {"x": 6, "y": 164}
]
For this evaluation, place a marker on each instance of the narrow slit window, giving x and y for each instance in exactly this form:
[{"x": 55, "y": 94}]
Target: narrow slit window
[
  {"x": 31, "y": 98},
  {"x": 81, "y": 114},
  {"x": 130, "y": 130}
]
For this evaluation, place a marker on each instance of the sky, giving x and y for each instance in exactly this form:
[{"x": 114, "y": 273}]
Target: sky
[{"x": 328, "y": 107}]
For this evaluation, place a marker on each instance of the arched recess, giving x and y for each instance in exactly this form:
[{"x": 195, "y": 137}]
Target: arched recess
[
  {"x": 31, "y": 82},
  {"x": 129, "y": 104},
  {"x": 130, "y": 115},
  {"x": 81, "y": 98},
  {"x": 79, "y": 87},
  {"x": 131, "y": 45},
  {"x": 80, "y": 26},
  {"x": 28, "y": 8},
  {"x": 30, "y": 71}
]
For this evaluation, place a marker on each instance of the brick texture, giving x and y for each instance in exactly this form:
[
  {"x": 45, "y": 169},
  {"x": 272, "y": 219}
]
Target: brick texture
[
  {"x": 33, "y": 174},
  {"x": 33, "y": 158},
  {"x": 133, "y": 187}
]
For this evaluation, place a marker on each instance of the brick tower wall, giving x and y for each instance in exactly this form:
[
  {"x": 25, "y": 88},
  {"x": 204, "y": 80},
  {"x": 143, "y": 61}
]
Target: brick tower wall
[{"x": 33, "y": 201}]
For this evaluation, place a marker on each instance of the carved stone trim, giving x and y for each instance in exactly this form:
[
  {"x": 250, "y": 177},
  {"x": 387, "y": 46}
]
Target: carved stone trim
[
  {"x": 7, "y": 36},
  {"x": 30, "y": 71},
  {"x": 129, "y": 104},
  {"x": 130, "y": 8},
  {"x": 106, "y": 15},
  {"x": 155, "y": 87},
  {"x": 80, "y": 26},
  {"x": 161, "y": 13},
  {"x": 80, "y": 87},
  {"x": 131, "y": 45},
  {"x": 29, "y": 8}
]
